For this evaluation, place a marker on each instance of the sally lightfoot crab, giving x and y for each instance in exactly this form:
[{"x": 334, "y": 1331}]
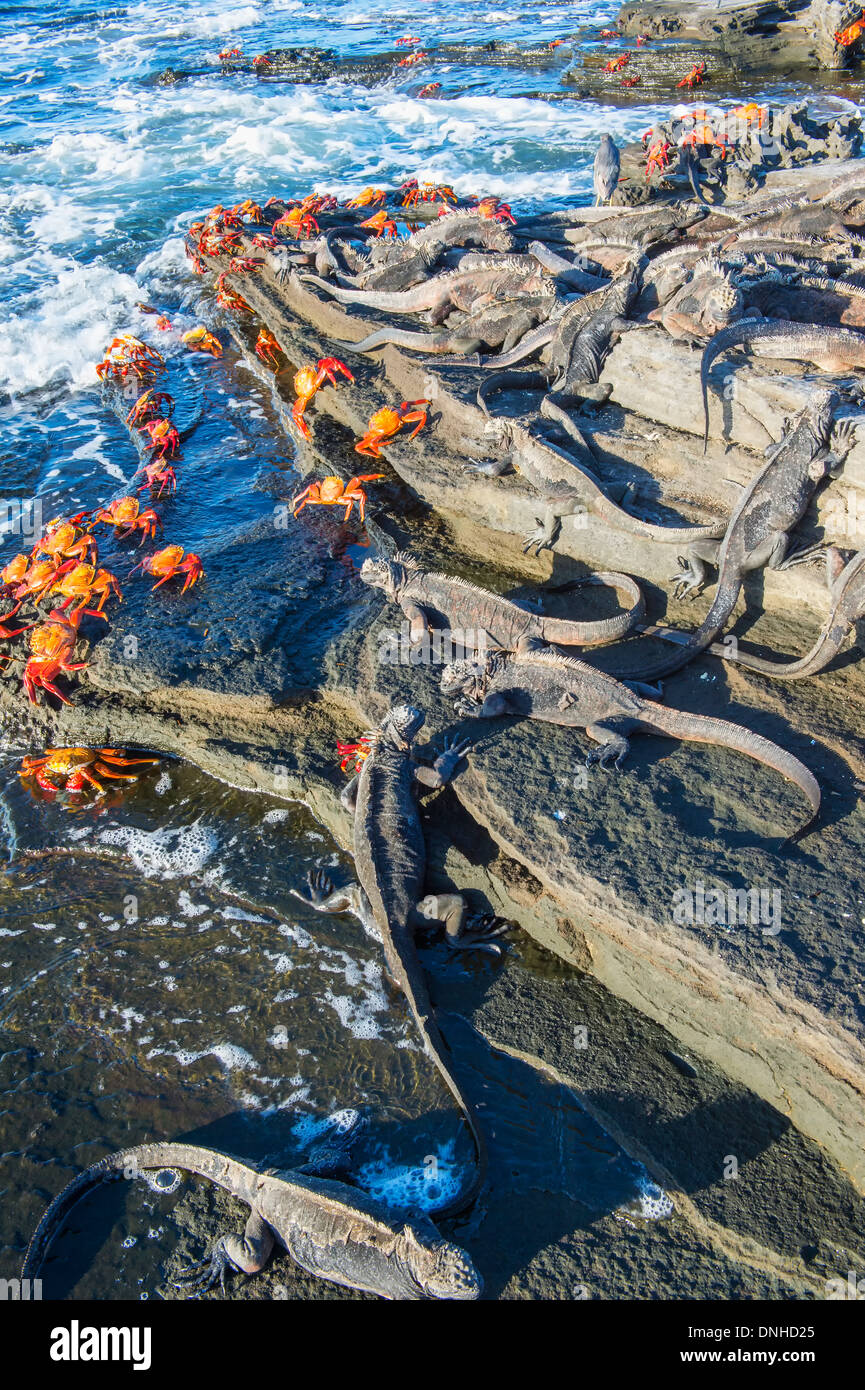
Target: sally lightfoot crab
[
  {"x": 168, "y": 562},
  {"x": 387, "y": 422},
  {"x": 126, "y": 516},
  {"x": 75, "y": 768},
  {"x": 308, "y": 380},
  {"x": 332, "y": 492}
]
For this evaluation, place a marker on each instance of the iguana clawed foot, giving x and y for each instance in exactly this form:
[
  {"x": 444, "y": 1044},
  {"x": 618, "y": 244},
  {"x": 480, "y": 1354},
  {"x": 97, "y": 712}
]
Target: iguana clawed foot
[
  {"x": 610, "y": 754},
  {"x": 489, "y": 468},
  {"x": 479, "y": 933},
  {"x": 686, "y": 583},
  {"x": 318, "y": 888},
  {"x": 203, "y": 1274},
  {"x": 804, "y": 555}
]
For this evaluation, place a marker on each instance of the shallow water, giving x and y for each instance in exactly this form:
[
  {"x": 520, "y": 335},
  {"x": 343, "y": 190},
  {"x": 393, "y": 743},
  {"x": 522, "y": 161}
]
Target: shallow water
[{"x": 156, "y": 976}]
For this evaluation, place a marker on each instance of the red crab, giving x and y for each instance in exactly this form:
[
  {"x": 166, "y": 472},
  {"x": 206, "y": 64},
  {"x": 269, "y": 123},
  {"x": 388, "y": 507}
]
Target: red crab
[
  {"x": 385, "y": 423},
  {"x": 157, "y": 471},
  {"x": 164, "y": 439},
  {"x": 333, "y": 492},
  {"x": 52, "y": 644},
  {"x": 297, "y": 223},
  {"x": 268, "y": 348},
  {"x": 77, "y": 766},
  {"x": 381, "y": 224},
  {"x": 657, "y": 157},
  {"x": 308, "y": 380},
  {"x": 151, "y": 404},
  {"x": 126, "y": 516},
  {"x": 693, "y": 78},
  {"x": 170, "y": 561}
]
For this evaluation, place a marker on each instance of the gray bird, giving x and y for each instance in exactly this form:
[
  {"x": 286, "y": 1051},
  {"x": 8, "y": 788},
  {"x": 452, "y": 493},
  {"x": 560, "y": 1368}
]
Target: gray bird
[{"x": 606, "y": 170}]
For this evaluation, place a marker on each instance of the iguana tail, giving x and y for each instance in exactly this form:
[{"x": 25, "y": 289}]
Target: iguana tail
[
  {"x": 436, "y": 1048},
  {"x": 701, "y": 729},
  {"x": 570, "y": 632},
  {"x": 828, "y": 644},
  {"x": 237, "y": 1178},
  {"x": 417, "y": 342},
  {"x": 737, "y": 333},
  {"x": 689, "y": 644}
]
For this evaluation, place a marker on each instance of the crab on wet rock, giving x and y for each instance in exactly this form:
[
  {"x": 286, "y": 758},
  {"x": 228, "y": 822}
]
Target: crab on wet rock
[
  {"x": 387, "y": 422},
  {"x": 333, "y": 492},
  {"x": 75, "y": 768},
  {"x": 52, "y": 645},
  {"x": 168, "y": 562},
  {"x": 126, "y": 516},
  {"x": 309, "y": 380}
]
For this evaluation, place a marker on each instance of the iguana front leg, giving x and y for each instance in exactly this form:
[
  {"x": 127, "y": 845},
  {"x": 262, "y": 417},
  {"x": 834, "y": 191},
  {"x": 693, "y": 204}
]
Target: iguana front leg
[
  {"x": 493, "y": 707},
  {"x": 614, "y": 746},
  {"x": 462, "y": 932},
  {"x": 321, "y": 894},
  {"x": 546, "y": 535},
  {"x": 248, "y": 1253},
  {"x": 445, "y": 764},
  {"x": 694, "y": 568}
]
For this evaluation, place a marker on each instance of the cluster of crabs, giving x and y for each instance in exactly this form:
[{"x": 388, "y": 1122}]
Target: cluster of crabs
[
  {"x": 702, "y": 130},
  {"x": 693, "y": 78},
  {"x": 229, "y": 232}
]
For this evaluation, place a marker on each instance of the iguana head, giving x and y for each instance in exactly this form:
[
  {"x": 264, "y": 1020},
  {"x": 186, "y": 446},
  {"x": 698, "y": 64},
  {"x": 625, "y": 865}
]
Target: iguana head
[
  {"x": 440, "y": 1268},
  {"x": 819, "y": 412},
  {"x": 464, "y": 678},
  {"x": 402, "y": 723},
  {"x": 389, "y": 575}
]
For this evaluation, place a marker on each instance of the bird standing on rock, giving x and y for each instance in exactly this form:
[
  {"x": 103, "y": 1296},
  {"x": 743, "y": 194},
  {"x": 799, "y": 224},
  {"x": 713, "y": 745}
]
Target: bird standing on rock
[{"x": 605, "y": 175}]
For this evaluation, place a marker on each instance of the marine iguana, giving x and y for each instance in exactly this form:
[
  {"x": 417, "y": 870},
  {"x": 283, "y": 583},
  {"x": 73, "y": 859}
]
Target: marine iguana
[
  {"x": 486, "y": 276},
  {"x": 504, "y": 321},
  {"x": 569, "y": 487},
  {"x": 757, "y": 534},
  {"x": 579, "y": 345},
  {"x": 401, "y": 264},
  {"x": 847, "y": 604},
  {"x": 423, "y": 593},
  {"x": 562, "y": 690},
  {"x": 390, "y": 858},
  {"x": 830, "y": 349},
  {"x": 330, "y": 1229}
]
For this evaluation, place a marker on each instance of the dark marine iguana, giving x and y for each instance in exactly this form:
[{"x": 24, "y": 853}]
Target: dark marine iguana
[
  {"x": 493, "y": 276},
  {"x": 390, "y": 858},
  {"x": 758, "y": 531},
  {"x": 562, "y": 690},
  {"x": 502, "y": 322},
  {"x": 579, "y": 346},
  {"x": 830, "y": 349},
  {"x": 330, "y": 1229},
  {"x": 847, "y": 605},
  {"x": 494, "y": 620},
  {"x": 569, "y": 487},
  {"x": 401, "y": 264}
]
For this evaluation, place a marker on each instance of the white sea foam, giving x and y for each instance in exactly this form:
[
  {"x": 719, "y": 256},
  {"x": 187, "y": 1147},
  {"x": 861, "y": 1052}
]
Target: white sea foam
[{"x": 165, "y": 853}]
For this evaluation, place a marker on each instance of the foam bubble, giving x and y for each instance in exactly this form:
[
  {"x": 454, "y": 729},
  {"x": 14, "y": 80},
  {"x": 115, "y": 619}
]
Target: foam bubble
[{"x": 165, "y": 853}]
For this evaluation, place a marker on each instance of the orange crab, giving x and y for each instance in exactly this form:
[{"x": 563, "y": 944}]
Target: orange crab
[
  {"x": 227, "y": 299},
  {"x": 381, "y": 224},
  {"x": 409, "y": 38},
  {"x": 385, "y": 423},
  {"x": 657, "y": 157},
  {"x": 297, "y": 223},
  {"x": 368, "y": 198},
  {"x": 125, "y": 515},
  {"x": 430, "y": 89},
  {"x": 230, "y": 53},
  {"x": 76, "y": 768},
  {"x": 268, "y": 348},
  {"x": 199, "y": 340},
  {"x": 412, "y": 59},
  {"x": 64, "y": 540},
  {"x": 82, "y": 582},
  {"x": 261, "y": 61},
  {"x": 359, "y": 751},
  {"x": 693, "y": 78},
  {"x": 157, "y": 471},
  {"x": 150, "y": 404},
  {"x": 38, "y": 578},
  {"x": 13, "y": 572},
  {"x": 752, "y": 112},
  {"x": 705, "y": 135},
  {"x": 495, "y": 210},
  {"x": 170, "y": 561},
  {"x": 616, "y": 64},
  {"x": 308, "y": 380},
  {"x": 52, "y": 644},
  {"x": 428, "y": 193},
  {"x": 845, "y": 37},
  {"x": 126, "y": 355},
  {"x": 333, "y": 492},
  {"x": 249, "y": 208},
  {"x": 164, "y": 438}
]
